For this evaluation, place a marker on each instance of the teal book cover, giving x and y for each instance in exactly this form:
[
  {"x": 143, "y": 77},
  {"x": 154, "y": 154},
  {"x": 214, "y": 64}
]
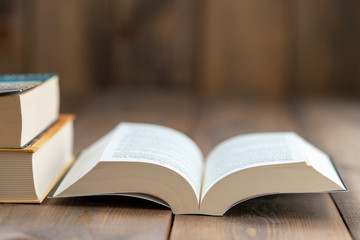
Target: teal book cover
[{"x": 17, "y": 83}]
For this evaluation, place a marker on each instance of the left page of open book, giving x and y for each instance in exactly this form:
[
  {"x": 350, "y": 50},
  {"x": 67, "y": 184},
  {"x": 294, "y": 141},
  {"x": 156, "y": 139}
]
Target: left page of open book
[{"x": 141, "y": 143}]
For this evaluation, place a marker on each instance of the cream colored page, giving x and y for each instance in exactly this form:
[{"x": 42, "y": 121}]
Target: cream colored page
[
  {"x": 158, "y": 145},
  {"x": 248, "y": 151},
  {"x": 321, "y": 162},
  {"x": 84, "y": 163}
]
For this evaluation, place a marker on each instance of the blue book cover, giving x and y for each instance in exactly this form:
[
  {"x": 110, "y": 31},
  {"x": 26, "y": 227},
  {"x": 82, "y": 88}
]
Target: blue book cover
[{"x": 14, "y": 84}]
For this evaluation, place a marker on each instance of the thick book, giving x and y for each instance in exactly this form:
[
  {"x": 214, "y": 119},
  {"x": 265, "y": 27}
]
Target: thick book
[
  {"x": 29, "y": 103},
  {"x": 163, "y": 165},
  {"x": 30, "y": 173}
]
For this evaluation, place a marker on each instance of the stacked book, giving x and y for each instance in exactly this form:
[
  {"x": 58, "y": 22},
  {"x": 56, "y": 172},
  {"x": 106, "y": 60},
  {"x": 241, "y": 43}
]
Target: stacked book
[{"x": 35, "y": 140}]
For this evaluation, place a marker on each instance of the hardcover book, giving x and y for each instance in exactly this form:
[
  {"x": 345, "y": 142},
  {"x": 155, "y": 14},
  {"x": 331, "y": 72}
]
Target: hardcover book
[{"x": 28, "y": 105}]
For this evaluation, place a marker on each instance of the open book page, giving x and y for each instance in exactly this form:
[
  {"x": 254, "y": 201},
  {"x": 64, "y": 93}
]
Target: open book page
[
  {"x": 84, "y": 163},
  {"x": 321, "y": 162},
  {"x": 157, "y": 145},
  {"x": 247, "y": 151}
]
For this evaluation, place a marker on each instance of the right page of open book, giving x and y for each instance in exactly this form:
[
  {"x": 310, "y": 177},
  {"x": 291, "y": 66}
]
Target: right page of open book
[{"x": 247, "y": 151}]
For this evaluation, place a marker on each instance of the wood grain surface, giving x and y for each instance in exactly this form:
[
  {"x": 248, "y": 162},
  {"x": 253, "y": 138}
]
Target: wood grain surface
[
  {"x": 326, "y": 44},
  {"x": 245, "y": 48},
  {"x": 258, "y": 49},
  {"x": 152, "y": 42},
  {"x": 287, "y": 216},
  {"x": 105, "y": 217}
]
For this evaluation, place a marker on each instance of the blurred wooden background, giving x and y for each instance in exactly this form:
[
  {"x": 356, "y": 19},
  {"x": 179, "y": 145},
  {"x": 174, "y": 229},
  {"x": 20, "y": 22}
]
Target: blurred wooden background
[{"x": 260, "y": 49}]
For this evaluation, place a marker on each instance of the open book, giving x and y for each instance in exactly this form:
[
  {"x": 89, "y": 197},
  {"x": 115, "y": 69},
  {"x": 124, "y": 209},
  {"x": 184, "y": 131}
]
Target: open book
[{"x": 164, "y": 165}]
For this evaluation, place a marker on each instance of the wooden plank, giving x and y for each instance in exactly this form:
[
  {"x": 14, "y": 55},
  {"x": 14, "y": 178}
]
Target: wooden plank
[
  {"x": 334, "y": 127},
  {"x": 297, "y": 216},
  {"x": 107, "y": 216},
  {"x": 327, "y": 47},
  {"x": 62, "y": 43},
  {"x": 85, "y": 218},
  {"x": 11, "y": 37},
  {"x": 283, "y": 216},
  {"x": 153, "y": 42},
  {"x": 245, "y": 48}
]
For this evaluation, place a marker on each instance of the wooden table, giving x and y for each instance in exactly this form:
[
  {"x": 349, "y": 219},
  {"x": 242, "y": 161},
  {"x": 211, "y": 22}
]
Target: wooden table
[{"x": 332, "y": 125}]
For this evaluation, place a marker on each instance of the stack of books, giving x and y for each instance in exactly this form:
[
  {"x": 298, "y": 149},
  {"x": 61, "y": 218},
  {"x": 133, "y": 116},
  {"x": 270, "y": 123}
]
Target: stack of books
[{"x": 35, "y": 140}]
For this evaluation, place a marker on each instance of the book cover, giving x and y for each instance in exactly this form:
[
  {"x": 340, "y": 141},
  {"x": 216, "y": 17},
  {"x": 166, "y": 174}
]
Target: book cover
[{"x": 14, "y": 84}]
